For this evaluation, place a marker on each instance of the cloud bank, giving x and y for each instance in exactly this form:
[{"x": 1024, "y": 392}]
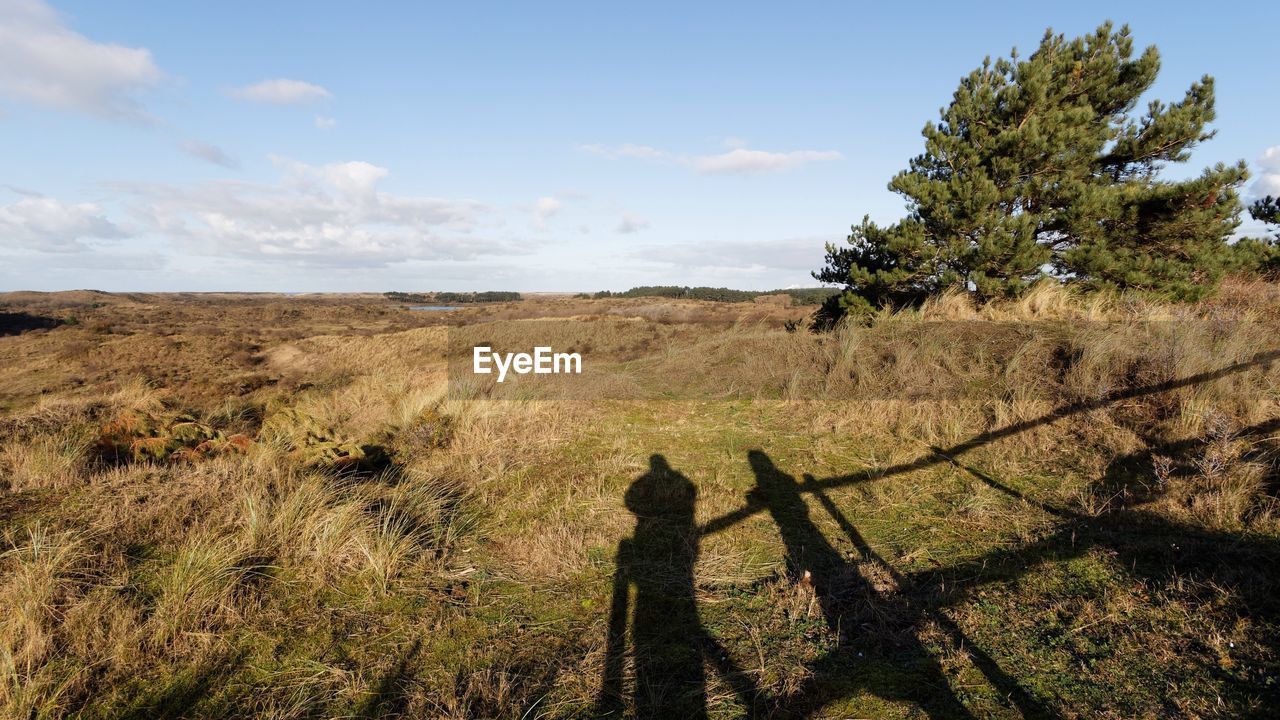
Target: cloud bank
[
  {"x": 736, "y": 161},
  {"x": 49, "y": 225},
  {"x": 322, "y": 215},
  {"x": 44, "y": 62}
]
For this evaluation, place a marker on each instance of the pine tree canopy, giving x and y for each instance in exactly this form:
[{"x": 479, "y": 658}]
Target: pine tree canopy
[
  {"x": 1040, "y": 167},
  {"x": 1266, "y": 210}
]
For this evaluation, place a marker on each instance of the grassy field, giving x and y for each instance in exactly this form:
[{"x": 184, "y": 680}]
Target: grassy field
[{"x": 295, "y": 507}]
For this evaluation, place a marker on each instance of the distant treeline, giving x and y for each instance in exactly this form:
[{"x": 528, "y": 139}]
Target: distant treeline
[
  {"x": 454, "y": 297},
  {"x": 802, "y": 296}
]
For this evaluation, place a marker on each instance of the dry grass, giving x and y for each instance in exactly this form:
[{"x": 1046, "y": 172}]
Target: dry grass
[
  {"x": 43, "y": 569},
  {"x": 1039, "y": 478},
  {"x": 45, "y": 463}
]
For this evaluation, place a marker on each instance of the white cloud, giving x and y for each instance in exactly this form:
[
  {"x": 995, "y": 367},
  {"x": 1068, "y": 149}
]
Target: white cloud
[
  {"x": 325, "y": 122},
  {"x": 544, "y": 210},
  {"x": 209, "y": 153},
  {"x": 738, "y": 160},
  {"x": 791, "y": 254},
  {"x": 631, "y": 224},
  {"x": 44, "y": 62},
  {"x": 754, "y": 264},
  {"x": 50, "y": 225},
  {"x": 1270, "y": 159},
  {"x": 281, "y": 91},
  {"x": 744, "y": 161},
  {"x": 1268, "y": 184},
  {"x": 356, "y": 179},
  {"x": 322, "y": 215},
  {"x": 548, "y": 206},
  {"x": 1268, "y": 181}
]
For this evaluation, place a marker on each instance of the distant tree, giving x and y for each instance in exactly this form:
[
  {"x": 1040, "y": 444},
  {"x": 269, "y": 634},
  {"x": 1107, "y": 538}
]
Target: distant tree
[
  {"x": 455, "y": 297},
  {"x": 1036, "y": 169},
  {"x": 1261, "y": 256},
  {"x": 802, "y": 296},
  {"x": 407, "y": 297}
]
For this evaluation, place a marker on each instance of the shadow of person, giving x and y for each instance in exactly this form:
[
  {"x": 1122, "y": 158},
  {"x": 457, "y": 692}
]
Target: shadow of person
[
  {"x": 669, "y": 645},
  {"x": 850, "y": 605},
  {"x": 810, "y": 557}
]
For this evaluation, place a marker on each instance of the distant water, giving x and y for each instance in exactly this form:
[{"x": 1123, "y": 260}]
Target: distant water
[{"x": 435, "y": 308}]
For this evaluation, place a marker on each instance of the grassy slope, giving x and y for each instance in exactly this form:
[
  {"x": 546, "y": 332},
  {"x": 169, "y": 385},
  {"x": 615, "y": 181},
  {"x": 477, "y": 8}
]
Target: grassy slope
[
  {"x": 1118, "y": 561},
  {"x": 1017, "y": 609}
]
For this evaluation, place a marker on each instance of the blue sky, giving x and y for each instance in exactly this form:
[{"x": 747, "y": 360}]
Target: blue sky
[{"x": 566, "y": 146}]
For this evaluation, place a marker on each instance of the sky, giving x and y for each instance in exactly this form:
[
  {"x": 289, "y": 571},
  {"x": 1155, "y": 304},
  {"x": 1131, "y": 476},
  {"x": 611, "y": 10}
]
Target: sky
[{"x": 344, "y": 147}]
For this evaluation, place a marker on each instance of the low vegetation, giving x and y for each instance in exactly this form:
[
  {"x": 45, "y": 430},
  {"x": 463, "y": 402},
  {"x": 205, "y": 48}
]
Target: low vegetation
[
  {"x": 802, "y": 296},
  {"x": 1057, "y": 505},
  {"x": 454, "y": 297}
]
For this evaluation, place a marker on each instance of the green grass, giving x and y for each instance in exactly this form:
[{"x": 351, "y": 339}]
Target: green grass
[{"x": 1068, "y": 623}]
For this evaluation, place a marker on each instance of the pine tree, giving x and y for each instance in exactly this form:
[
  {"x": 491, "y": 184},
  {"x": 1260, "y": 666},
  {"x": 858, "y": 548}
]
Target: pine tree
[
  {"x": 1260, "y": 256},
  {"x": 1266, "y": 210},
  {"x": 1037, "y": 169}
]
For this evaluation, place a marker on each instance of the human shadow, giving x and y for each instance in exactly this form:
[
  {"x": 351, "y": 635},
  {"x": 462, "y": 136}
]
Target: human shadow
[
  {"x": 870, "y": 627},
  {"x": 670, "y": 649}
]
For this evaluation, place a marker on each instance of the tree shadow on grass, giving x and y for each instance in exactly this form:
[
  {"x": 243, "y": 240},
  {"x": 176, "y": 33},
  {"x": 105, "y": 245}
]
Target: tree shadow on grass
[
  {"x": 939, "y": 456},
  {"x": 1237, "y": 572},
  {"x": 184, "y": 693},
  {"x": 390, "y": 697},
  {"x": 1153, "y": 548},
  {"x": 16, "y": 323}
]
